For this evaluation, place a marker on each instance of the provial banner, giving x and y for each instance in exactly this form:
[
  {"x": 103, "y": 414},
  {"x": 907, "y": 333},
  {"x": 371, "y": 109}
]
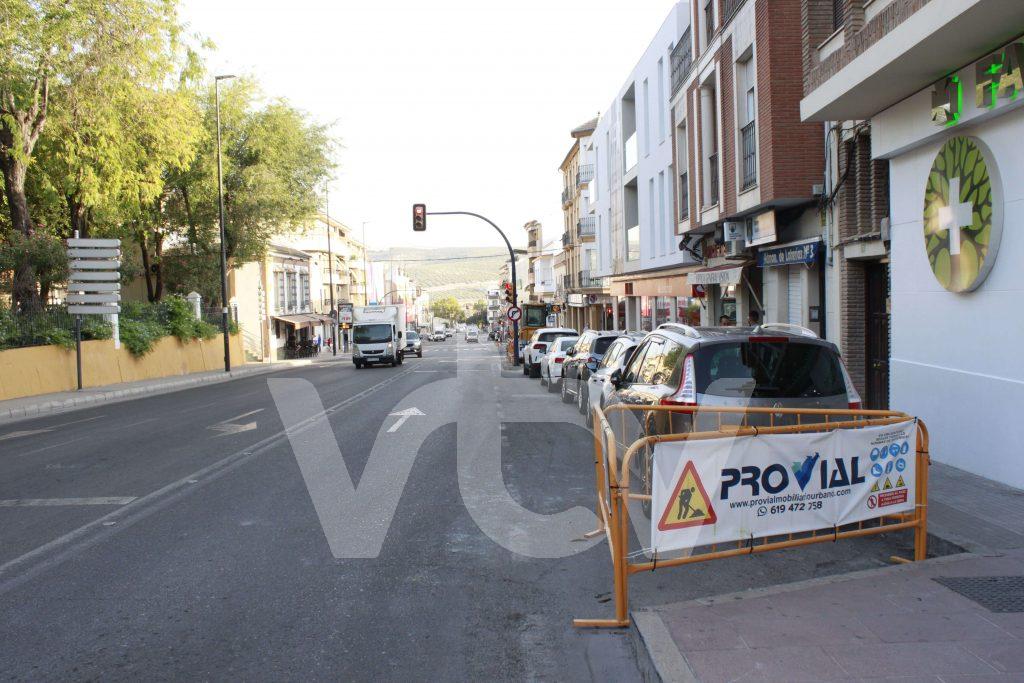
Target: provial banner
[{"x": 729, "y": 489}]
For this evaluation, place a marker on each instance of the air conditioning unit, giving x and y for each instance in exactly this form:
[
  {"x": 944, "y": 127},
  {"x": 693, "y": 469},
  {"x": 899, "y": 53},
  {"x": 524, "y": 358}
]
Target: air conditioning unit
[{"x": 735, "y": 249}]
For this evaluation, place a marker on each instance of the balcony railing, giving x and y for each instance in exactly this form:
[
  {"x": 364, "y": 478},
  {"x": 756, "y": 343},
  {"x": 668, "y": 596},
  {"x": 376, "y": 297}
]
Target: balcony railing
[
  {"x": 586, "y": 281},
  {"x": 729, "y": 8},
  {"x": 713, "y": 179},
  {"x": 709, "y": 19},
  {"x": 749, "y": 147},
  {"x": 629, "y": 153},
  {"x": 531, "y": 244},
  {"x": 585, "y": 174},
  {"x": 567, "y": 282},
  {"x": 566, "y": 239},
  {"x": 684, "y": 196},
  {"x": 566, "y": 196},
  {"x": 585, "y": 226},
  {"x": 681, "y": 60}
]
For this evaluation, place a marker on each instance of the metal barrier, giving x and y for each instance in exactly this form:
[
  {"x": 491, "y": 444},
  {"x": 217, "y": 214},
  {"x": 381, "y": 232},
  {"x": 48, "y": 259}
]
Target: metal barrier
[{"x": 613, "y": 487}]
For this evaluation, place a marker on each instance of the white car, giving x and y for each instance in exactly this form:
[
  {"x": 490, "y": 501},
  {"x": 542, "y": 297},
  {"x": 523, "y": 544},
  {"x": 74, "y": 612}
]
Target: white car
[
  {"x": 473, "y": 336},
  {"x": 551, "y": 364},
  {"x": 616, "y": 357},
  {"x": 538, "y": 346}
]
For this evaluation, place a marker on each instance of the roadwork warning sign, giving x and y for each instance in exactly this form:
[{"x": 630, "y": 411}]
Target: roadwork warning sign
[{"x": 689, "y": 504}]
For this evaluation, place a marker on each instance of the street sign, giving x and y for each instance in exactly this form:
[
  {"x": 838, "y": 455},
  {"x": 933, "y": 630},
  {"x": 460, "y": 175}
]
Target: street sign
[
  {"x": 104, "y": 298},
  {"x": 94, "y": 243},
  {"x": 514, "y": 313},
  {"x": 94, "y": 309},
  {"x": 93, "y": 276},
  {"x": 99, "y": 264},
  {"x": 85, "y": 252},
  {"x": 96, "y": 287}
]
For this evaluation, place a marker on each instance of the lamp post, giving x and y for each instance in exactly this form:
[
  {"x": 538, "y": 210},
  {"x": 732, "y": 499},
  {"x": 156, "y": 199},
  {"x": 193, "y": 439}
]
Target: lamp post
[
  {"x": 366, "y": 270},
  {"x": 330, "y": 272},
  {"x": 223, "y": 238}
]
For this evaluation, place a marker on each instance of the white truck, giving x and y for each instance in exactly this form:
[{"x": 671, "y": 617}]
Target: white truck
[{"x": 378, "y": 335}]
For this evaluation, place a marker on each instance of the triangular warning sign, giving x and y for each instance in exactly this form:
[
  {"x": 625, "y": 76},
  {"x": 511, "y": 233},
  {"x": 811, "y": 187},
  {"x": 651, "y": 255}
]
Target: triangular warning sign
[
  {"x": 899, "y": 482},
  {"x": 874, "y": 487},
  {"x": 689, "y": 504},
  {"x": 888, "y": 484}
]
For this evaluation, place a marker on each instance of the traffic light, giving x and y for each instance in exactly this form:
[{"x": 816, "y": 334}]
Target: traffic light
[
  {"x": 508, "y": 292},
  {"x": 419, "y": 217}
]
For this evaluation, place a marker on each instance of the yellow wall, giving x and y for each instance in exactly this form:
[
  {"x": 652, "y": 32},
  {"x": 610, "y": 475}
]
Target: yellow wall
[{"x": 46, "y": 369}]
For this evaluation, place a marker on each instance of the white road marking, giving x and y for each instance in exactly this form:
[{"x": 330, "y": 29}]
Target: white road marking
[
  {"x": 403, "y": 415},
  {"x": 228, "y": 426},
  {"x": 55, "y": 502},
  {"x": 25, "y": 432}
]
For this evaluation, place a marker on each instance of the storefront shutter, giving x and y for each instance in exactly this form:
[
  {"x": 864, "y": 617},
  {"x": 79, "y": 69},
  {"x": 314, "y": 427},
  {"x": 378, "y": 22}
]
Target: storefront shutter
[{"x": 796, "y": 299}]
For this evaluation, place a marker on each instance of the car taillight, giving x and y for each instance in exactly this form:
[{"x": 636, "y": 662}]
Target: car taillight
[
  {"x": 591, "y": 360},
  {"x": 686, "y": 394},
  {"x": 853, "y": 398},
  {"x": 767, "y": 340},
  {"x": 540, "y": 347},
  {"x": 559, "y": 360}
]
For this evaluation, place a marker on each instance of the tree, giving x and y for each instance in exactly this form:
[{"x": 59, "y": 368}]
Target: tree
[
  {"x": 448, "y": 308},
  {"x": 49, "y": 51},
  {"x": 479, "y": 315}
]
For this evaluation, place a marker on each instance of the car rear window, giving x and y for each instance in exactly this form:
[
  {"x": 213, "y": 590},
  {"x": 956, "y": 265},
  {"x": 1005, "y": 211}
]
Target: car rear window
[
  {"x": 769, "y": 370},
  {"x": 566, "y": 344},
  {"x": 601, "y": 344},
  {"x": 549, "y": 336}
]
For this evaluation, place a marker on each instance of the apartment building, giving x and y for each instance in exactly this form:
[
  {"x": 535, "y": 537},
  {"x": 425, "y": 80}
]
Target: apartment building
[
  {"x": 585, "y": 294},
  {"x": 935, "y": 86},
  {"x": 631, "y": 194},
  {"x": 534, "y": 250},
  {"x": 750, "y": 171}
]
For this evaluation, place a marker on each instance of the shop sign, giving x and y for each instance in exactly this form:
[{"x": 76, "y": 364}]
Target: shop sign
[
  {"x": 963, "y": 220},
  {"x": 575, "y": 299},
  {"x": 715, "y": 276},
  {"x": 345, "y": 314},
  {"x": 762, "y": 229},
  {"x": 997, "y": 77},
  {"x": 786, "y": 256}
]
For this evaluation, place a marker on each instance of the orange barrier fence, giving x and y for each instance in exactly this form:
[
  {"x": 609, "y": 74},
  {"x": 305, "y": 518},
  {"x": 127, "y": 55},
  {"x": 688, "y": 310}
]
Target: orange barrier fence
[{"x": 612, "y": 478}]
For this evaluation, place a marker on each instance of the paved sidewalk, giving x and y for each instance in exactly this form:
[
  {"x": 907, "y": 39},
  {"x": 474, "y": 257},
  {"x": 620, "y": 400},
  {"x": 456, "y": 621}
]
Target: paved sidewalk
[
  {"x": 17, "y": 409},
  {"x": 894, "y": 623}
]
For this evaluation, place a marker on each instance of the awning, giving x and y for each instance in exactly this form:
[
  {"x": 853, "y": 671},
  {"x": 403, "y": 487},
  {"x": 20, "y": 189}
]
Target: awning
[
  {"x": 671, "y": 283},
  {"x": 727, "y": 274},
  {"x": 298, "y": 320}
]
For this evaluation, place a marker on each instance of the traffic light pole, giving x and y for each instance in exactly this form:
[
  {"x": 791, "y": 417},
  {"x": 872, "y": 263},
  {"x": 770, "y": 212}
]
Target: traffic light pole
[{"x": 512, "y": 256}]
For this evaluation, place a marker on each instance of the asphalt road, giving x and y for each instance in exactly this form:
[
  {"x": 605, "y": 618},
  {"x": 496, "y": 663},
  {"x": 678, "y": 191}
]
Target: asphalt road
[{"x": 187, "y": 543}]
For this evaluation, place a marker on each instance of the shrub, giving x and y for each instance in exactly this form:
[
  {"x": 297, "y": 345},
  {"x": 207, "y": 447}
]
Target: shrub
[{"x": 139, "y": 336}]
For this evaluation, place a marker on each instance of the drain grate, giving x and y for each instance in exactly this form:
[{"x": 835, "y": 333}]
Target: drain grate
[{"x": 994, "y": 593}]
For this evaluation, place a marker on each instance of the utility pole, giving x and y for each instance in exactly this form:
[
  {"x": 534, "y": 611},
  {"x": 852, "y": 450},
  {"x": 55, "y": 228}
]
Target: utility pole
[
  {"x": 330, "y": 272},
  {"x": 223, "y": 232}
]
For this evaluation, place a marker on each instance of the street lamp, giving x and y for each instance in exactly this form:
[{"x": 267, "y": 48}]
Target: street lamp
[
  {"x": 330, "y": 272},
  {"x": 223, "y": 238}
]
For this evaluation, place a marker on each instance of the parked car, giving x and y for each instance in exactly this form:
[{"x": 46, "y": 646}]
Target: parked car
[
  {"x": 437, "y": 336},
  {"x": 599, "y": 388},
  {"x": 773, "y": 365},
  {"x": 551, "y": 363},
  {"x": 538, "y": 345},
  {"x": 582, "y": 361},
  {"x": 413, "y": 344},
  {"x": 473, "y": 336}
]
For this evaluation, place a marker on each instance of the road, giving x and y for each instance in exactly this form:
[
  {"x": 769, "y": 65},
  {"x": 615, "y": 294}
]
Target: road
[{"x": 185, "y": 536}]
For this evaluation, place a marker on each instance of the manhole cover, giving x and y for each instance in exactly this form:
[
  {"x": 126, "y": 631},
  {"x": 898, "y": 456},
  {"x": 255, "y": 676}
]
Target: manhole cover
[{"x": 994, "y": 593}]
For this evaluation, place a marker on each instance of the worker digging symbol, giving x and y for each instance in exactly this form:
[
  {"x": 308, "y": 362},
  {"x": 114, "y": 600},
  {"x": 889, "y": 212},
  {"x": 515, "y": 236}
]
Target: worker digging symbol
[{"x": 689, "y": 505}]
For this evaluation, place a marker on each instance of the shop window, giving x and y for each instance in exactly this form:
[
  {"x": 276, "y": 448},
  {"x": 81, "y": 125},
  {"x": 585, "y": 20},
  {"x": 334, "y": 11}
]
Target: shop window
[
  {"x": 662, "y": 310},
  {"x": 645, "y": 313}
]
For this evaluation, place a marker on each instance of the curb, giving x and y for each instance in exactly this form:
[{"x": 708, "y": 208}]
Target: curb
[
  {"x": 104, "y": 396},
  {"x": 655, "y": 644}
]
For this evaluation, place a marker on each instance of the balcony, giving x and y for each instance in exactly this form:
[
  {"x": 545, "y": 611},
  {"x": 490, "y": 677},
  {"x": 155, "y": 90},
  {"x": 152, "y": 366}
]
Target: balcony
[
  {"x": 729, "y": 8},
  {"x": 748, "y": 146},
  {"x": 629, "y": 153},
  {"x": 584, "y": 175},
  {"x": 585, "y": 226},
  {"x": 566, "y": 197},
  {"x": 567, "y": 282},
  {"x": 713, "y": 179},
  {"x": 684, "y": 196},
  {"x": 566, "y": 239},
  {"x": 681, "y": 60},
  {"x": 588, "y": 282}
]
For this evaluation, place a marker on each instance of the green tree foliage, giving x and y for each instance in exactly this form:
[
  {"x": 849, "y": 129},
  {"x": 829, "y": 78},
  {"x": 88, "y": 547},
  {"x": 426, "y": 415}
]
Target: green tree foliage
[
  {"x": 449, "y": 309},
  {"x": 478, "y": 316}
]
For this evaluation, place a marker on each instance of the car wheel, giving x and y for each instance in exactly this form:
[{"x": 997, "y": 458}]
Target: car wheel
[
  {"x": 589, "y": 415},
  {"x": 534, "y": 370},
  {"x": 566, "y": 398},
  {"x": 552, "y": 387},
  {"x": 526, "y": 367},
  {"x": 543, "y": 378},
  {"x": 581, "y": 397}
]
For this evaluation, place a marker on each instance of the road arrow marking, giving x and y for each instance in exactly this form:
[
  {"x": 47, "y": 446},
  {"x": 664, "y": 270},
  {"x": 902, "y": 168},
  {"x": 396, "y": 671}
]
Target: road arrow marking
[
  {"x": 228, "y": 427},
  {"x": 404, "y": 415}
]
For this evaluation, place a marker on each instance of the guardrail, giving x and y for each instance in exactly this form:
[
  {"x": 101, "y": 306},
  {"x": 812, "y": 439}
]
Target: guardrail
[{"x": 613, "y": 485}]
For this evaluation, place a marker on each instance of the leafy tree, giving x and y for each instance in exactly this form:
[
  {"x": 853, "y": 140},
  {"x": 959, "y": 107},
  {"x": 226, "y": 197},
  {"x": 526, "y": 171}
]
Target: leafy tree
[
  {"x": 448, "y": 308},
  {"x": 479, "y": 315},
  {"x": 50, "y": 51}
]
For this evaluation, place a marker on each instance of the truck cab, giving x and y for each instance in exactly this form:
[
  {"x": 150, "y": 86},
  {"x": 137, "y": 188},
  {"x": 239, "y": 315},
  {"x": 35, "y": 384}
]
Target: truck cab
[{"x": 378, "y": 335}]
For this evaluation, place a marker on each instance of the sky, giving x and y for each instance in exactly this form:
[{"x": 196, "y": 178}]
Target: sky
[{"x": 465, "y": 105}]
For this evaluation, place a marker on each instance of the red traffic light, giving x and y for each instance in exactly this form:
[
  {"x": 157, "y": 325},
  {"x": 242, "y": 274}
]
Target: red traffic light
[{"x": 419, "y": 217}]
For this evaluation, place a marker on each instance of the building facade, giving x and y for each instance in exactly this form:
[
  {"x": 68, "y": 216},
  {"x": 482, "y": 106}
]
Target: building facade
[
  {"x": 938, "y": 85},
  {"x": 631, "y": 193},
  {"x": 750, "y": 171}
]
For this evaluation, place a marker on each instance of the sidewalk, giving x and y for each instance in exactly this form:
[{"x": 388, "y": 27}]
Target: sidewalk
[
  {"x": 17, "y": 409},
  {"x": 898, "y": 623}
]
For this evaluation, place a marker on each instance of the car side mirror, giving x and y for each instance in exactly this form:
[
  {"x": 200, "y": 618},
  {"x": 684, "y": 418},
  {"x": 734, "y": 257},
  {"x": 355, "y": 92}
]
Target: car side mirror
[{"x": 616, "y": 378}]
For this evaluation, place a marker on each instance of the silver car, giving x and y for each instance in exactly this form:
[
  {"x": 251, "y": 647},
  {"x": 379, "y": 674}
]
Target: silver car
[{"x": 615, "y": 358}]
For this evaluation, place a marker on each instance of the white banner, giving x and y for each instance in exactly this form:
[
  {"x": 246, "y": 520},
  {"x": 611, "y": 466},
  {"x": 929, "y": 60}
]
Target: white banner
[{"x": 731, "y": 489}]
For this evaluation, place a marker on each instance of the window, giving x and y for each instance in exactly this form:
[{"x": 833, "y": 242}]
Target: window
[
  {"x": 633, "y": 243},
  {"x": 632, "y": 371},
  {"x": 769, "y": 370},
  {"x": 709, "y": 19},
  {"x": 838, "y": 14},
  {"x": 279, "y": 287},
  {"x": 647, "y": 118},
  {"x": 645, "y": 313},
  {"x": 661, "y": 99},
  {"x": 652, "y": 361},
  {"x": 304, "y": 290}
]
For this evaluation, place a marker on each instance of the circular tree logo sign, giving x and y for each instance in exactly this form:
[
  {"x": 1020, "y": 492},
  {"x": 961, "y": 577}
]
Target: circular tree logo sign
[{"x": 962, "y": 214}]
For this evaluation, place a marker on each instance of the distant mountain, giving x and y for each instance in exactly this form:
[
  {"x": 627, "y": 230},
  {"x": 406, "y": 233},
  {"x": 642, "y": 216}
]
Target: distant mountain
[{"x": 463, "y": 272}]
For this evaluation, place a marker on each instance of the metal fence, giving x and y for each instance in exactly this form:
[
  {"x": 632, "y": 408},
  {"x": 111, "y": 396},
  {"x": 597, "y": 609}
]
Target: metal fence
[
  {"x": 749, "y": 142},
  {"x": 713, "y": 178},
  {"x": 51, "y": 325}
]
